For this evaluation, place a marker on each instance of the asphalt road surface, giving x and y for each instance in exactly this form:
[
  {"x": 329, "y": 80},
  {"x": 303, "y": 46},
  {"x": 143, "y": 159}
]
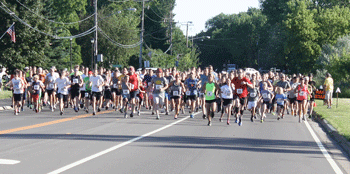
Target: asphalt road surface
[{"x": 108, "y": 143}]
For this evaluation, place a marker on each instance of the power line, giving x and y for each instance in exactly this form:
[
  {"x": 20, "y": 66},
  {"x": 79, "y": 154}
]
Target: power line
[
  {"x": 153, "y": 19},
  {"x": 69, "y": 23},
  {"x": 116, "y": 43},
  {"x": 91, "y": 30}
]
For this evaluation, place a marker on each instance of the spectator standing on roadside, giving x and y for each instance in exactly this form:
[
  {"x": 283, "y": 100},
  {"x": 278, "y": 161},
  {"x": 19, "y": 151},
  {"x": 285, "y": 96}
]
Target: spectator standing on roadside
[
  {"x": 329, "y": 87},
  {"x": 2, "y": 73}
]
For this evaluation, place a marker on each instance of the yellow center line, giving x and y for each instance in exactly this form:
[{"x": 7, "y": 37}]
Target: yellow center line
[{"x": 50, "y": 123}]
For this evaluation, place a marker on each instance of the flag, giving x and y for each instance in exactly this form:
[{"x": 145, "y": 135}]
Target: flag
[{"x": 11, "y": 32}]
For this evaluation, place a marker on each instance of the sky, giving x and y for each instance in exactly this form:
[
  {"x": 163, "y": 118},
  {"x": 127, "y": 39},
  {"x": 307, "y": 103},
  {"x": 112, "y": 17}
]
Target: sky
[{"x": 199, "y": 11}]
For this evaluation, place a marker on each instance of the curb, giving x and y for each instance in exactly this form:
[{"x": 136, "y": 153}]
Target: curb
[
  {"x": 3, "y": 108},
  {"x": 330, "y": 130}
]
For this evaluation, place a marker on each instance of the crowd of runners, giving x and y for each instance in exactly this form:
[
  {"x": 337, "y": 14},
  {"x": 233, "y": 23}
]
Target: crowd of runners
[{"x": 126, "y": 91}]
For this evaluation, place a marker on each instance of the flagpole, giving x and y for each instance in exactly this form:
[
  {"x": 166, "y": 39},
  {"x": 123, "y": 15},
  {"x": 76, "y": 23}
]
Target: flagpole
[{"x": 7, "y": 30}]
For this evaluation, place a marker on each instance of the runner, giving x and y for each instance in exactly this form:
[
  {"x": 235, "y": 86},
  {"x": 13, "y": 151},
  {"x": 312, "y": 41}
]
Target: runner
[
  {"x": 226, "y": 91},
  {"x": 96, "y": 82},
  {"x": 170, "y": 79},
  {"x": 115, "y": 90},
  {"x": 87, "y": 95},
  {"x": 126, "y": 88},
  {"x": 293, "y": 96},
  {"x": 176, "y": 90},
  {"x": 302, "y": 99},
  {"x": 280, "y": 100},
  {"x": 210, "y": 89},
  {"x": 241, "y": 84},
  {"x": 191, "y": 92},
  {"x": 38, "y": 88},
  {"x": 134, "y": 85},
  {"x": 254, "y": 97},
  {"x": 267, "y": 96},
  {"x": 160, "y": 84},
  {"x": 51, "y": 89},
  {"x": 63, "y": 83},
  {"x": 204, "y": 79},
  {"x": 76, "y": 83},
  {"x": 18, "y": 88}
]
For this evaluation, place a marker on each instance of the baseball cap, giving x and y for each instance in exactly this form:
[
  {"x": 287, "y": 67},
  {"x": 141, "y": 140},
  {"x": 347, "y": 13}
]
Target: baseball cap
[
  {"x": 90, "y": 72},
  {"x": 159, "y": 70}
]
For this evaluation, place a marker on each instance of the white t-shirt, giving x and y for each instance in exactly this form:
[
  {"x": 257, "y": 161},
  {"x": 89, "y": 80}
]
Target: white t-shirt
[
  {"x": 51, "y": 81},
  {"x": 226, "y": 92},
  {"x": 84, "y": 85},
  {"x": 1, "y": 74},
  {"x": 17, "y": 85},
  {"x": 61, "y": 83},
  {"x": 96, "y": 81}
]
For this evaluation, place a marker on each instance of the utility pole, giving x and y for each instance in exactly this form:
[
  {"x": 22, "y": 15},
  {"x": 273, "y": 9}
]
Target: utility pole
[
  {"x": 171, "y": 32},
  {"x": 96, "y": 33},
  {"x": 70, "y": 51},
  {"x": 187, "y": 35},
  {"x": 142, "y": 30}
]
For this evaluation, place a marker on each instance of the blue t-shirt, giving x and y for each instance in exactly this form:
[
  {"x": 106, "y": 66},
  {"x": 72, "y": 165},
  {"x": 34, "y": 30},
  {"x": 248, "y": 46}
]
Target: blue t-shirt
[
  {"x": 204, "y": 79},
  {"x": 280, "y": 98},
  {"x": 192, "y": 86}
]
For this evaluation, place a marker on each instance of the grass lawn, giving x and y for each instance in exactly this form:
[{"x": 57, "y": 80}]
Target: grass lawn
[
  {"x": 339, "y": 117},
  {"x": 5, "y": 94}
]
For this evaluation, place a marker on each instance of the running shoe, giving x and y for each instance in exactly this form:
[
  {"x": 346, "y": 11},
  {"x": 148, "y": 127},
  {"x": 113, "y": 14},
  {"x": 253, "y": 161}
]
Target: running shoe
[
  {"x": 166, "y": 113},
  {"x": 220, "y": 120},
  {"x": 98, "y": 110},
  {"x": 106, "y": 107},
  {"x": 125, "y": 116},
  {"x": 228, "y": 122},
  {"x": 240, "y": 122},
  {"x": 157, "y": 117},
  {"x": 52, "y": 110},
  {"x": 121, "y": 110},
  {"x": 251, "y": 119},
  {"x": 22, "y": 109},
  {"x": 175, "y": 117},
  {"x": 75, "y": 109},
  {"x": 282, "y": 116},
  {"x": 254, "y": 116},
  {"x": 87, "y": 110},
  {"x": 236, "y": 120},
  {"x": 300, "y": 120},
  {"x": 94, "y": 113},
  {"x": 138, "y": 112},
  {"x": 191, "y": 116},
  {"x": 197, "y": 109},
  {"x": 278, "y": 118},
  {"x": 131, "y": 115},
  {"x": 152, "y": 113},
  {"x": 212, "y": 114},
  {"x": 209, "y": 123},
  {"x": 61, "y": 113},
  {"x": 287, "y": 111},
  {"x": 204, "y": 116},
  {"x": 273, "y": 113},
  {"x": 262, "y": 120}
]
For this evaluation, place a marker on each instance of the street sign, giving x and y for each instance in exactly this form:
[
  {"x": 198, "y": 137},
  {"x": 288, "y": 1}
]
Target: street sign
[
  {"x": 100, "y": 58},
  {"x": 338, "y": 90}
]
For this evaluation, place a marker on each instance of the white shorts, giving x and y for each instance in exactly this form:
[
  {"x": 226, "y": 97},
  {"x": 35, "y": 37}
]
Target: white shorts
[
  {"x": 329, "y": 95},
  {"x": 158, "y": 99},
  {"x": 252, "y": 104}
]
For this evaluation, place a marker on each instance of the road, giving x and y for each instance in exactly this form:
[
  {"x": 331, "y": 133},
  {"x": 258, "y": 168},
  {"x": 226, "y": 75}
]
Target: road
[{"x": 108, "y": 143}]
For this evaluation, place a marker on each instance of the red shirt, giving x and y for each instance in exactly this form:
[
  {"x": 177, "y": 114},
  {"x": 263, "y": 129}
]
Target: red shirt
[
  {"x": 133, "y": 79},
  {"x": 241, "y": 90},
  {"x": 303, "y": 92}
]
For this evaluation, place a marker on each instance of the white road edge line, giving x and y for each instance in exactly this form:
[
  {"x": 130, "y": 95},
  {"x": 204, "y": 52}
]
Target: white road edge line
[
  {"x": 69, "y": 166},
  {"x": 9, "y": 162},
  {"x": 323, "y": 150}
]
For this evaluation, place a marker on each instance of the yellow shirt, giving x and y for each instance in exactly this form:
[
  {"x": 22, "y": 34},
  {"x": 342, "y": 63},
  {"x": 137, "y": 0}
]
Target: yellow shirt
[{"x": 329, "y": 84}]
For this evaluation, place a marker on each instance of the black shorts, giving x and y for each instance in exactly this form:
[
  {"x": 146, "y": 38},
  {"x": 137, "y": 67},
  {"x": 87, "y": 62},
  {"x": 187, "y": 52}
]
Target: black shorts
[
  {"x": 242, "y": 100},
  {"x": 227, "y": 102},
  {"x": 292, "y": 100},
  {"x": 191, "y": 97},
  {"x": 312, "y": 99},
  {"x": 108, "y": 94},
  {"x": 268, "y": 104},
  {"x": 50, "y": 91},
  {"x": 97, "y": 95},
  {"x": 281, "y": 106},
  {"x": 64, "y": 97},
  {"x": 17, "y": 97},
  {"x": 210, "y": 101},
  {"x": 24, "y": 96},
  {"x": 116, "y": 91},
  {"x": 82, "y": 94},
  {"x": 133, "y": 94},
  {"x": 175, "y": 97},
  {"x": 300, "y": 101},
  {"x": 74, "y": 93}
]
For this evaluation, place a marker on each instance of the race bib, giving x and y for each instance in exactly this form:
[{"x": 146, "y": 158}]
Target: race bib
[
  {"x": 175, "y": 93},
  {"x": 30, "y": 83},
  {"x": 51, "y": 86},
  {"x": 36, "y": 87},
  {"x": 125, "y": 91},
  {"x": 149, "y": 83},
  {"x": 86, "y": 94},
  {"x": 253, "y": 94},
  {"x": 188, "y": 92},
  {"x": 115, "y": 85},
  {"x": 264, "y": 95},
  {"x": 301, "y": 93},
  {"x": 280, "y": 100},
  {"x": 210, "y": 93},
  {"x": 158, "y": 87},
  {"x": 75, "y": 80},
  {"x": 195, "y": 92},
  {"x": 239, "y": 91},
  {"x": 132, "y": 86},
  {"x": 16, "y": 87}
]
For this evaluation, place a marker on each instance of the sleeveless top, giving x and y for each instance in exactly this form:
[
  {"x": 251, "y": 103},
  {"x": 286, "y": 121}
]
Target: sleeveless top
[
  {"x": 176, "y": 90},
  {"x": 210, "y": 91}
]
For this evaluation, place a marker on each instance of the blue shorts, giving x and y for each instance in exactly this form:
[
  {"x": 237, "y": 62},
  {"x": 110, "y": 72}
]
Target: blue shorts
[{"x": 167, "y": 96}]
